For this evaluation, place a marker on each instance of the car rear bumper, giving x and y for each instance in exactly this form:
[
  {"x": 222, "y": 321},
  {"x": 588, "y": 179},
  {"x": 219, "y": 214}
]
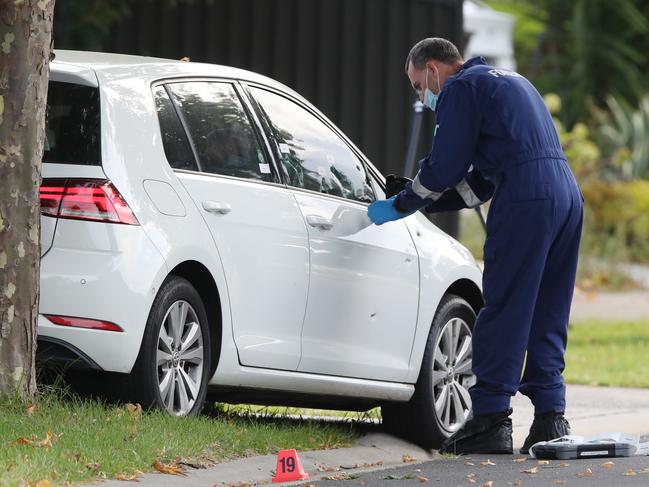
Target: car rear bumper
[{"x": 99, "y": 272}]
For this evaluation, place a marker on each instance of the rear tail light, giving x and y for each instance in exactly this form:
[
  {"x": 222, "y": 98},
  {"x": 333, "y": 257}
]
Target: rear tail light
[
  {"x": 85, "y": 199},
  {"x": 83, "y": 323}
]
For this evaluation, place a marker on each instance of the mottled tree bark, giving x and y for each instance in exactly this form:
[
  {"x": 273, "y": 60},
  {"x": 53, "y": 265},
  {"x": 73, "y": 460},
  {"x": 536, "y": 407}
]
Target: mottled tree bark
[{"x": 25, "y": 51}]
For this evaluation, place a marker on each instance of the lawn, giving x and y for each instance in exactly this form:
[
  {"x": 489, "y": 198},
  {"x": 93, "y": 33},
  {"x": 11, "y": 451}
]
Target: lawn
[
  {"x": 90, "y": 440},
  {"x": 608, "y": 353}
]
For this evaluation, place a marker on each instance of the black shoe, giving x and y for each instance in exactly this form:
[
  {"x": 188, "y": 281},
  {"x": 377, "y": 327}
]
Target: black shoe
[
  {"x": 486, "y": 433},
  {"x": 546, "y": 427}
]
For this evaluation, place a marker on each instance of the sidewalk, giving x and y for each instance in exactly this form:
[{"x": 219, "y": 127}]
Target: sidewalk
[
  {"x": 622, "y": 306},
  {"x": 591, "y": 410}
]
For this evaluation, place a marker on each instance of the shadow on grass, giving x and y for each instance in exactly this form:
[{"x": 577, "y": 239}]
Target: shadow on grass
[{"x": 114, "y": 389}]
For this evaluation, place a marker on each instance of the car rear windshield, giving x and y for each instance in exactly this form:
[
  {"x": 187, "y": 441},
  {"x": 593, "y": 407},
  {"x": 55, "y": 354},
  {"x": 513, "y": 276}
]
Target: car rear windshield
[{"x": 72, "y": 130}]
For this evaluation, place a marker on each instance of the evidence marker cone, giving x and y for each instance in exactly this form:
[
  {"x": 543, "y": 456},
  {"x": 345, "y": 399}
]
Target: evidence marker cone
[{"x": 288, "y": 467}]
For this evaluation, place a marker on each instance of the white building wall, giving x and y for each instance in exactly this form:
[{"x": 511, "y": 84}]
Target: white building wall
[{"x": 491, "y": 34}]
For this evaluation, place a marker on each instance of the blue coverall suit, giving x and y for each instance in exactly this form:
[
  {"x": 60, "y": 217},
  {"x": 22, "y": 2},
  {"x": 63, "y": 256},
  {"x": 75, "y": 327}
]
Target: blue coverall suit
[{"x": 495, "y": 138}]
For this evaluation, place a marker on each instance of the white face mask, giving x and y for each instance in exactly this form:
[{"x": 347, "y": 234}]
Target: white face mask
[{"x": 430, "y": 98}]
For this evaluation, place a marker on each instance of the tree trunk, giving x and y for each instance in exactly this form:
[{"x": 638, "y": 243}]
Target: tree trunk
[{"x": 25, "y": 51}]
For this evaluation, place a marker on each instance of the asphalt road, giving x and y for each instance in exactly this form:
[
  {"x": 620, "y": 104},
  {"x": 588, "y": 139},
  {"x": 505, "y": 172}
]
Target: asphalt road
[{"x": 505, "y": 471}]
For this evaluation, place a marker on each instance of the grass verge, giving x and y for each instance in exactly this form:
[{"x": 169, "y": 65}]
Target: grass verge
[
  {"x": 91, "y": 440},
  {"x": 608, "y": 353}
]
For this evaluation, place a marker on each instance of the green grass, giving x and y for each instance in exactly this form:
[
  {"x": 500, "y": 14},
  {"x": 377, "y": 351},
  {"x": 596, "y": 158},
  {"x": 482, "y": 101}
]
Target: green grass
[
  {"x": 608, "y": 354},
  {"x": 95, "y": 441}
]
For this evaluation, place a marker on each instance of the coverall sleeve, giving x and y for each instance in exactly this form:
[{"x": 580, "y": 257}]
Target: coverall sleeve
[
  {"x": 458, "y": 127},
  {"x": 472, "y": 191}
]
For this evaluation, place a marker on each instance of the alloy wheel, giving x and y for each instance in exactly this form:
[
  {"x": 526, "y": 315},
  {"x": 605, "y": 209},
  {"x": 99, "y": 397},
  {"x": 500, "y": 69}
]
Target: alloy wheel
[
  {"x": 179, "y": 358},
  {"x": 452, "y": 375}
]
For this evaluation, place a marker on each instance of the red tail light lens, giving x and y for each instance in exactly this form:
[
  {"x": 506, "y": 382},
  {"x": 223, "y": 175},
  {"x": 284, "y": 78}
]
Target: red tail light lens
[
  {"x": 85, "y": 199},
  {"x": 83, "y": 323}
]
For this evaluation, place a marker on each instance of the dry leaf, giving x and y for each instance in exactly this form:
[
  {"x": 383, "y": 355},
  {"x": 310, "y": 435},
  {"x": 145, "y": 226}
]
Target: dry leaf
[
  {"x": 520, "y": 460},
  {"x": 630, "y": 473},
  {"x": 470, "y": 476},
  {"x": 516, "y": 483},
  {"x": 608, "y": 465},
  {"x": 321, "y": 467},
  {"x": 129, "y": 478},
  {"x": 408, "y": 458},
  {"x": 44, "y": 483},
  {"x": 586, "y": 473},
  {"x": 544, "y": 462},
  {"x": 134, "y": 410},
  {"x": 488, "y": 484},
  {"x": 421, "y": 479},
  {"x": 560, "y": 482},
  {"x": 532, "y": 470},
  {"x": 563, "y": 465},
  {"x": 472, "y": 481},
  {"x": 185, "y": 59},
  {"x": 487, "y": 463},
  {"x": 645, "y": 470},
  {"x": 170, "y": 469},
  {"x": 469, "y": 464},
  {"x": 339, "y": 476},
  {"x": 45, "y": 443},
  {"x": 30, "y": 410}
]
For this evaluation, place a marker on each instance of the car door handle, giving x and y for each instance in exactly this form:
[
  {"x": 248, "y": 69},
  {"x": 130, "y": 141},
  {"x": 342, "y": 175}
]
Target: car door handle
[
  {"x": 217, "y": 207},
  {"x": 319, "y": 222}
]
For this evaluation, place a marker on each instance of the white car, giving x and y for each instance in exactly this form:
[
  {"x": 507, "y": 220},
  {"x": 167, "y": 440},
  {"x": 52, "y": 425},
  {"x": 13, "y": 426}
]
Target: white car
[{"x": 205, "y": 227}]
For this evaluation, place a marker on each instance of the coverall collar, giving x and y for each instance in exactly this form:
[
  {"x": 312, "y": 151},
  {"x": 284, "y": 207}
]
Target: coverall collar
[{"x": 474, "y": 61}]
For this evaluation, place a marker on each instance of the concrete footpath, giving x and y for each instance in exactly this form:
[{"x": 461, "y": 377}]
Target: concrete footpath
[{"x": 591, "y": 410}]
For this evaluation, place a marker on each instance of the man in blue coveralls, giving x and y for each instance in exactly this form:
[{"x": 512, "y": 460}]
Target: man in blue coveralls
[{"x": 494, "y": 138}]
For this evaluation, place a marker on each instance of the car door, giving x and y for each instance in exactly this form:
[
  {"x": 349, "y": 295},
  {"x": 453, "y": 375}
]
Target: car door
[
  {"x": 363, "y": 292},
  {"x": 255, "y": 222}
]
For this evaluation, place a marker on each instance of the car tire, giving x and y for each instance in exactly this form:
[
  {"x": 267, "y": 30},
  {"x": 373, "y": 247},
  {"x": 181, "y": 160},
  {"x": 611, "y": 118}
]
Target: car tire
[
  {"x": 172, "y": 369},
  {"x": 441, "y": 402}
]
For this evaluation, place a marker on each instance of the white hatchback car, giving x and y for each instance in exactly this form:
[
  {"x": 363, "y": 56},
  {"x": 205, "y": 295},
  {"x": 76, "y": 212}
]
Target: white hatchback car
[{"x": 206, "y": 227}]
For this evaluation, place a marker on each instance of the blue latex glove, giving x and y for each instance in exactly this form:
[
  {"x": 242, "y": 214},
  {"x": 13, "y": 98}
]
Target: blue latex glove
[{"x": 384, "y": 211}]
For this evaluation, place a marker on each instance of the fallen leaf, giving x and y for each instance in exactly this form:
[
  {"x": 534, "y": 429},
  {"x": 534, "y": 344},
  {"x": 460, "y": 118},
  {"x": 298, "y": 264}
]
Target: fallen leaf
[
  {"x": 44, "y": 483},
  {"x": 33, "y": 442},
  {"x": 630, "y": 473},
  {"x": 560, "y": 482},
  {"x": 608, "y": 465},
  {"x": 516, "y": 483},
  {"x": 129, "y": 478},
  {"x": 30, "y": 410},
  {"x": 519, "y": 460},
  {"x": 488, "y": 484},
  {"x": 421, "y": 479},
  {"x": 544, "y": 462},
  {"x": 487, "y": 463},
  {"x": 469, "y": 464},
  {"x": 586, "y": 473},
  {"x": 134, "y": 410},
  {"x": 339, "y": 476},
  {"x": 472, "y": 481},
  {"x": 531, "y": 471},
  {"x": 645, "y": 470},
  {"x": 170, "y": 469},
  {"x": 408, "y": 458},
  {"x": 321, "y": 467},
  {"x": 563, "y": 465},
  {"x": 470, "y": 476}
]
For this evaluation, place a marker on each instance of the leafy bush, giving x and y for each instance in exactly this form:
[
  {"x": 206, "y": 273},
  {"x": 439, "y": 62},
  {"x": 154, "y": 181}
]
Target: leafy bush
[{"x": 617, "y": 219}]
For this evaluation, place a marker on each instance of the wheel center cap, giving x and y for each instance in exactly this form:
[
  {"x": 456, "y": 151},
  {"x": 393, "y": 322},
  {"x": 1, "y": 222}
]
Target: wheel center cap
[{"x": 175, "y": 359}]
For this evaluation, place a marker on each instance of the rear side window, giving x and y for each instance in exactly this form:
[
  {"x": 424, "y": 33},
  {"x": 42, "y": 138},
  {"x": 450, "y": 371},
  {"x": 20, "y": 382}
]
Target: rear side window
[
  {"x": 219, "y": 127},
  {"x": 174, "y": 140},
  {"x": 72, "y": 129}
]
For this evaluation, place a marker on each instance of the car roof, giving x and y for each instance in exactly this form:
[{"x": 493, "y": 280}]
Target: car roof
[{"x": 101, "y": 67}]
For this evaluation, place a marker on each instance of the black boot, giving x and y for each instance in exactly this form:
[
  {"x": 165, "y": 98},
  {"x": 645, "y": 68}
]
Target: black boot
[
  {"x": 486, "y": 433},
  {"x": 546, "y": 427}
]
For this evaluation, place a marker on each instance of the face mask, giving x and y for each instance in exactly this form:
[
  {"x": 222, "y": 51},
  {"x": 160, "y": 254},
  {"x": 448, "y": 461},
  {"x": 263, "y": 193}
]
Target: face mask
[{"x": 430, "y": 98}]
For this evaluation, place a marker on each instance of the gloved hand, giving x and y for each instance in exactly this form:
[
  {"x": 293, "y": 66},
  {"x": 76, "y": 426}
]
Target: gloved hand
[{"x": 384, "y": 211}]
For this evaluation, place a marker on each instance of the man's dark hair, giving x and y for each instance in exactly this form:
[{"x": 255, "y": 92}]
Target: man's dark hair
[{"x": 433, "y": 48}]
